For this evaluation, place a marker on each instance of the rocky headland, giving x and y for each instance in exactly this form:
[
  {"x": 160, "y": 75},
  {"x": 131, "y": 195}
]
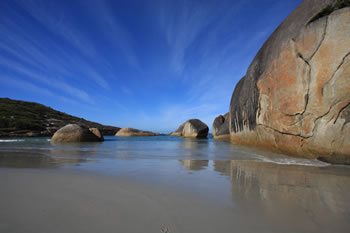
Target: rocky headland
[
  {"x": 193, "y": 128},
  {"x": 295, "y": 96},
  {"x": 130, "y": 132},
  {"x": 25, "y": 119}
]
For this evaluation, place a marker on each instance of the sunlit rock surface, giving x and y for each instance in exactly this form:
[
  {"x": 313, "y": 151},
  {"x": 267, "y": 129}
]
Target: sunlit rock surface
[
  {"x": 74, "y": 133},
  {"x": 97, "y": 133},
  {"x": 295, "y": 97},
  {"x": 220, "y": 127},
  {"x": 179, "y": 130},
  {"x": 130, "y": 132},
  {"x": 193, "y": 128}
]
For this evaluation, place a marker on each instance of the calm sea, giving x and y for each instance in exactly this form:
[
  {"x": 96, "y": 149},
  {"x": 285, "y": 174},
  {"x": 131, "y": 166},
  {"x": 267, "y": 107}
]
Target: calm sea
[
  {"x": 39, "y": 152},
  {"x": 278, "y": 193}
]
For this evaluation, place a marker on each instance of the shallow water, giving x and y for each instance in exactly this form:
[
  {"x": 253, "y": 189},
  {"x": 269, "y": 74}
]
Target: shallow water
[
  {"x": 262, "y": 192},
  {"x": 116, "y": 148}
]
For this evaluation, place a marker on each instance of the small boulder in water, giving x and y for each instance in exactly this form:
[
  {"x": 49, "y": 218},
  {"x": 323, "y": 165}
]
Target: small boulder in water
[
  {"x": 74, "y": 133},
  {"x": 221, "y": 128},
  {"x": 192, "y": 128},
  {"x": 130, "y": 132}
]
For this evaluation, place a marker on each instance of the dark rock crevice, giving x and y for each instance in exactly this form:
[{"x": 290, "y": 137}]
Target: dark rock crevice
[
  {"x": 284, "y": 133},
  {"x": 298, "y": 121},
  {"x": 329, "y": 9},
  {"x": 307, "y": 95},
  {"x": 335, "y": 72},
  {"x": 323, "y": 37},
  {"x": 346, "y": 115},
  {"x": 315, "y": 121},
  {"x": 318, "y": 118}
]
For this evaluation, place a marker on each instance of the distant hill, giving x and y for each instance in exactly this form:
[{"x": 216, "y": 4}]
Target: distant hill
[{"x": 22, "y": 118}]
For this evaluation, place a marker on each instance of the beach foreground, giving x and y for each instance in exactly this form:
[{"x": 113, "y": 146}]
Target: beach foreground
[
  {"x": 175, "y": 196},
  {"x": 46, "y": 201}
]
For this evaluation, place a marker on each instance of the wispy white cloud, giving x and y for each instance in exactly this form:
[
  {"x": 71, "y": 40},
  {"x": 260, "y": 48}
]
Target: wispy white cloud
[
  {"x": 15, "y": 83},
  {"x": 209, "y": 51},
  {"x": 52, "y": 82},
  {"x": 126, "y": 90},
  {"x": 110, "y": 25},
  {"x": 182, "y": 23},
  {"x": 53, "y": 18},
  {"x": 20, "y": 45},
  {"x": 203, "y": 49}
]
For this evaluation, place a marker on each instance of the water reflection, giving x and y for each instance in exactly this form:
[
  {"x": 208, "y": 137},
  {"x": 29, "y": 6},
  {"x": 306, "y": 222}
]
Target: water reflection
[
  {"x": 194, "y": 165},
  {"x": 34, "y": 160},
  {"x": 302, "y": 198},
  {"x": 194, "y": 148},
  {"x": 223, "y": 167},
  {"x": 76, "y": 150}
]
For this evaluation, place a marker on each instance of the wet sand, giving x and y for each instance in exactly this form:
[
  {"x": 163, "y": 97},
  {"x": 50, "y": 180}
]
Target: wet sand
[
  {"x": 176, "y": 196},
  {"x": 54, "y": 201}
]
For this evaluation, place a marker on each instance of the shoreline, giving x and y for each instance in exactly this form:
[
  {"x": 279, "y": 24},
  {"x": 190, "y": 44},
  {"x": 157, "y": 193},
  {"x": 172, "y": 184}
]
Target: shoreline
[{"x": 182, "y": 196}]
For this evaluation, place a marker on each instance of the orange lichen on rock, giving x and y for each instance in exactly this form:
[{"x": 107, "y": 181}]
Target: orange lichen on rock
[
  {"x": 283, "y": 91},
  {"x": 303, "y": 90}
]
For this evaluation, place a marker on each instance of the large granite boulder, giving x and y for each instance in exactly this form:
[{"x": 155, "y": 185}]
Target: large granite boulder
[
  {"x": 74, "y": 133},
  {"x": 130, "y": 132},
  {"x": 221, "y": 127},
  {"x": 192, "y": 128},
  {"x": 295, "y": 96}
]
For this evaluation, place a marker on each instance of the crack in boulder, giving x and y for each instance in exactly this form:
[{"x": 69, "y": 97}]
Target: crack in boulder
[{"x": 335, "y": 72}]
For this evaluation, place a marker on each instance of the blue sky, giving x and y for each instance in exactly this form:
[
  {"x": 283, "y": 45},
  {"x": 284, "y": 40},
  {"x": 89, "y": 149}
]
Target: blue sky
[{"x": 148, "y": 64}]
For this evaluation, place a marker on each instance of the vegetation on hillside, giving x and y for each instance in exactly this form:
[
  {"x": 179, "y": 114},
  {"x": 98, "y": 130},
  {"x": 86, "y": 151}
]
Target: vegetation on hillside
[
  {"x": 22, "y": 115},
  {"x": 28, "y": 115}
]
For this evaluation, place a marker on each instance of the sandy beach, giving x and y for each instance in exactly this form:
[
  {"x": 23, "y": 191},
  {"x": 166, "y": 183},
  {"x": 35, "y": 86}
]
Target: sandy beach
[
  {"x": 204, "y": 196},
  {"x": 54, "y": 201},
  {"x": 175, "y": 116}
]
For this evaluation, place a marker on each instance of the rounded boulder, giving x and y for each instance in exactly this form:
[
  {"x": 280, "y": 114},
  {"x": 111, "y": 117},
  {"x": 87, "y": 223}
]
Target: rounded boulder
[{"x": 74, "y": 133}]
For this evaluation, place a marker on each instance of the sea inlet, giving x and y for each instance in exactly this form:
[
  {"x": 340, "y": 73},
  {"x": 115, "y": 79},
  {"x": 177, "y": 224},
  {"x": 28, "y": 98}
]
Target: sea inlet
[{"x": 166, "y": 184}]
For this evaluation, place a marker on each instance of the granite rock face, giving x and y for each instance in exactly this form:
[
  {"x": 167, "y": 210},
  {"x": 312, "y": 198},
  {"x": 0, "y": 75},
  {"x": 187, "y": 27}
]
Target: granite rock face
[
  {"x": 192, "y": 128},
  {"x": 74, "y": 133},
  {"x": 97, "y": 133},
  {"x": 179, "y": 130},
  {"x": 221, "y": 127},
  {"x": 295, "y": 97},
  {"x": 130, "y": 132}
]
